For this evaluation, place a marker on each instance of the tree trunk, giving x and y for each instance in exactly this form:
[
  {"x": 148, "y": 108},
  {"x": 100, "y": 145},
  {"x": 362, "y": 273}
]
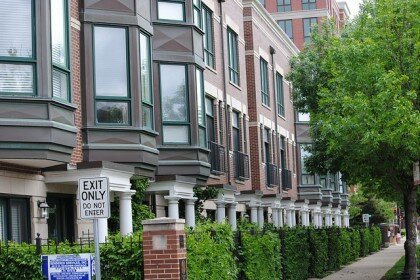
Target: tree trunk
[{"x": 410, "y": 197}]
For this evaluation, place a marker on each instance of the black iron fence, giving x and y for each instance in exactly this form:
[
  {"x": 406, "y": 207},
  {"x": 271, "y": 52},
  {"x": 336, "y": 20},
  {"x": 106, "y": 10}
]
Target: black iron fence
[
  {"x": 217, "y": 158},
  {"x": 241, "y": 165}
]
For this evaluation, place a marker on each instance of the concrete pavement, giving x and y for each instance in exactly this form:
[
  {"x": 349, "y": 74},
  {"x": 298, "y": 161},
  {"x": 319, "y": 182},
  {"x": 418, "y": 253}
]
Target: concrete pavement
[{"x": 372, "y": 267}]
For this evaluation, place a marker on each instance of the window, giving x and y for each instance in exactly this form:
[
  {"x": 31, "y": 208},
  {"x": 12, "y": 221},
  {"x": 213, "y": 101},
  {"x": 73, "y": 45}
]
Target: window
[
  {"x": 197, "y": 13},
  {"x": 308, "y": 25},
  {"x": 208, "y": 36},
  {"x": 146, "y": 81},
  {"x": 111, "y": 75},
  {"x": 17, "y": 48},
  {"x": 265, "y": 95},
  {"x": 280, "y": 95},
  {"x": 262, "y": 2},
  {"x": 245, "y": 144},
  {"x": 287, "y": 27},
  {"x": 308, "y": 4},
  {"x": 171, "y": 10},
  {"x": 14, "y": 219},
  {"x": 60, "y": 50},
  {"x": 233, "y": 56},
  {"x": 283, "y": 152},
  {"x": 201, "y": 114},
  {"x": 303, "y": 117},
  {"x": 211, "y": 136},
  {"x": 333, "y": 182},
  {"x": 306, "y": 177},
  {"x": 267, "y": 154},
  {"x": 236, "y": 132},
  {"x": 174, "y": 100},
  {"x": 283, "y": 6}
]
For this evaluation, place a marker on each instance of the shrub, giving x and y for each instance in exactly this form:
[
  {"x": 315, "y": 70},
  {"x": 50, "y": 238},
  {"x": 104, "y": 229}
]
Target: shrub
[
  {"x": 365, "y": 242},
  {"x": 355, "y": 243},
  {"x": 376, "y": 237},
  {"x": 346, "y": 248},
  {"x": 295, "y": 253},
  {"x": 260, "y": 253},
  {"x": 121, "y": 258},
  {"x": 210, "y": 252},
  {"x": 318, "y": 247},
  {"x": 334, "y": 248}
]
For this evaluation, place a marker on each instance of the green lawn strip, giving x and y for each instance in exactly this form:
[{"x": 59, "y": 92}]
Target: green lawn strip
[{"x": 395, "y": 271}]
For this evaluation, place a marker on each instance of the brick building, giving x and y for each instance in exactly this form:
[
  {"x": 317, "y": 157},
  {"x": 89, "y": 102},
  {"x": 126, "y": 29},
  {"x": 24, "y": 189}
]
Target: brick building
[{"x": 184, "y": 93}]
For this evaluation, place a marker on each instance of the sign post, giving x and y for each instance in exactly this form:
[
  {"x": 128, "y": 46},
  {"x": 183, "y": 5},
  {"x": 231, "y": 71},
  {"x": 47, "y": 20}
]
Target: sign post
[
  {"x": 365, "y": 218},
  {"x": 94, "y": 204}
]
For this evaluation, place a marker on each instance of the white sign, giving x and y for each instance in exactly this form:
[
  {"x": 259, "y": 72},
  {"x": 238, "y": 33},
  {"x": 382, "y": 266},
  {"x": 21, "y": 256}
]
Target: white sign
[
  {"x": 68, "y": 267},
  {"x": 94, "y": 198},
  {"x": 365, "y": 218}
]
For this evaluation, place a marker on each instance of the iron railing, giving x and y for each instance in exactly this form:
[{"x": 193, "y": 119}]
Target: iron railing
[
  {"x": 217, "y": 158},
  {"x": 286, "y": 179},
  {"x": 241, "y": 165},
  {"x": 272, "y": 175}
]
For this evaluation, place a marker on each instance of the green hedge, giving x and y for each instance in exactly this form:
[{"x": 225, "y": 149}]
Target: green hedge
[
  {"x": 334, "y": 248},
  {"x": 346, "y": 248},
  {"x": 355, "y": 243},
  {"x": 260, "y": 252},
  {"x": 210, "y": 252},
  {"x": 121, "y": 258},
  {"x": 318, "y": 247},
  {"x": 295, "y": 253}
]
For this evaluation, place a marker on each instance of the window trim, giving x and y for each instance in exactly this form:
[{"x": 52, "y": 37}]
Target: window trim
[
  {"x": 57, "y": 67},
  {"x": 202, "y": 126},
  {"x": 187, "y": 103},
  {"x": 280, "y": 95},
  {"x": 312, "y": 21},
  {"x": 233, "y": 56},
  {"x": 182, "y": 2},
  {"x": 128, "y": 98},
  {"x": 264, "y": 82},
  {"x": 238, "y": 129},
  {"x": 198, "y": 8},
  {"x": 26, "y": 60}
]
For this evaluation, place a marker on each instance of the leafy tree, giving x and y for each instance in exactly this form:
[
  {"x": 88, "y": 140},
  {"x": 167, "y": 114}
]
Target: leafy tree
[
  {"x": 361, "y": 203},
  {"x": 361, "y": 90}
]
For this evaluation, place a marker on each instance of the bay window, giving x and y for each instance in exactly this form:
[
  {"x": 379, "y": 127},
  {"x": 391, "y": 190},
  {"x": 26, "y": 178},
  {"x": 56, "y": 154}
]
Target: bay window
[
  {"x": 146, "y": 82},
  {"x": 112, "y": 97},
  {"x": 201, "y": 114},
  {"x": 174, "y": 100},
  {"x": 208, "y": 38},
  {"x": 17, "y": 48},
  {"x": 197, "y": 13},
  {"x": 173, "y": 10}
]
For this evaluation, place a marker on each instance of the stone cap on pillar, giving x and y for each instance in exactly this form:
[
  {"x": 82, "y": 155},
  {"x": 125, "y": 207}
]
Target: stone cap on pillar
[{"x": 164, "y": 223}]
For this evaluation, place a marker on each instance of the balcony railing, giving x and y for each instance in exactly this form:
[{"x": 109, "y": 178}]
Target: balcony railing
[
  {"x": 217, "y": 158},
  {"x": 272, "y": 175},
  {"x": 241, "y": 165},
  {"x": 286, "y": 179}
]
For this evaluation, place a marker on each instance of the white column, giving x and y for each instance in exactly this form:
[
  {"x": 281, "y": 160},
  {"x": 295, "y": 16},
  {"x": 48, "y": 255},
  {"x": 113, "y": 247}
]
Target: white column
[
  {"x": 103, "y": 230},
  {"x": 275, "y": 216},
  {"x": 281, "y": 220},
  {"x": 221, "y": 211},
  {"x": 173, "y": 207},
  {"x": 315, "y": 219},
  {"x": 289, "y": 217},
  {"x": 320, "y": 224},
  {"x": 254, "y": 214},
  {"x": 307, "y": 219},
  {"x": 126, "y": 217},
  {"x": 190, "y": 212},
  {"x": 261, "y": 216},
  {"x": 232, "y": 215},
  {"x": 304, "y": 219},
  {"x": 347, "y": 217},
  {"x": 293, "y": 218},
  {"x": 338, "y": 220}
]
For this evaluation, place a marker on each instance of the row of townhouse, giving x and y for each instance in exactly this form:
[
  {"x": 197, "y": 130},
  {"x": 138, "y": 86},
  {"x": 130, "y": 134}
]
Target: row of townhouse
[{"x": 185, "y": 93}]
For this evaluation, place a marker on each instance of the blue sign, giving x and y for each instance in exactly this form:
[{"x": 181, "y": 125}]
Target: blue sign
[{"x": 68, "y": 267}]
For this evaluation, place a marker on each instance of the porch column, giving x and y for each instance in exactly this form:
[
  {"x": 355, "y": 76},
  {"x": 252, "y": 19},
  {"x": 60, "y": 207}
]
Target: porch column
[
  {"x": 254, "y": 213},
  {"x": 126, "y": 217},
  {"x": 103, "y": 230},
  {"x": 281, "y": 220},
  {"x": 275, "y": 217},
  {"x": 261, "y": 216},
  {"x": 304, "y": 219},
  {"x": 232, "y": 215},
  {"x": 173, "y": 206},
  {"x": 221, "y": 212},
  {"x": 320, "y": 222},
  {"x": 190, "y": 212},
  {"x": 293, "y": 218},
  {"x": 289, "y": 217},
  {"x": 338, "y": 219}
]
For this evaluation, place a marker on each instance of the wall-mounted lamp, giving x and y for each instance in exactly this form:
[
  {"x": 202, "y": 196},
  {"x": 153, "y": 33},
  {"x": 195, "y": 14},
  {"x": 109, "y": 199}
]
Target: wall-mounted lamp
[{"x": 44, "y": 209}]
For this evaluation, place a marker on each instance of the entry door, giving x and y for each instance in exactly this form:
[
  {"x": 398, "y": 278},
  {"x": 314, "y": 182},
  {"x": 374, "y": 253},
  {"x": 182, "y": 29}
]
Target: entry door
[{"x": 61, "y": 218}]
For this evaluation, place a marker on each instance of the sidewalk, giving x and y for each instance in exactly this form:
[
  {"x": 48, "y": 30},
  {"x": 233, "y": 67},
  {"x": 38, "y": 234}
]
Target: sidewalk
[{"x": 372, "y": 267}]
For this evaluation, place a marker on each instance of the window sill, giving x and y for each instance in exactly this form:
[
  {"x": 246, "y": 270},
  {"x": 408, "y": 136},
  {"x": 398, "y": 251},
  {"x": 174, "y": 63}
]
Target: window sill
[
  {"x": 211, "y": 69},
  {"x": 265, "y": 106},
  {"x": 235, "y": 85},
  {"x": 281, "y": 117}
]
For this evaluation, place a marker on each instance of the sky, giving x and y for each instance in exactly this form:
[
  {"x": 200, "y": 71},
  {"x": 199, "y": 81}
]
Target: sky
[{"x": 353, "y": 6}]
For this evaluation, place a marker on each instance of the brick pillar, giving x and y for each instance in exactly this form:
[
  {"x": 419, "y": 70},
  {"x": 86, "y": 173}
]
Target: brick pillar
[{"x": 164, "y": 249}]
